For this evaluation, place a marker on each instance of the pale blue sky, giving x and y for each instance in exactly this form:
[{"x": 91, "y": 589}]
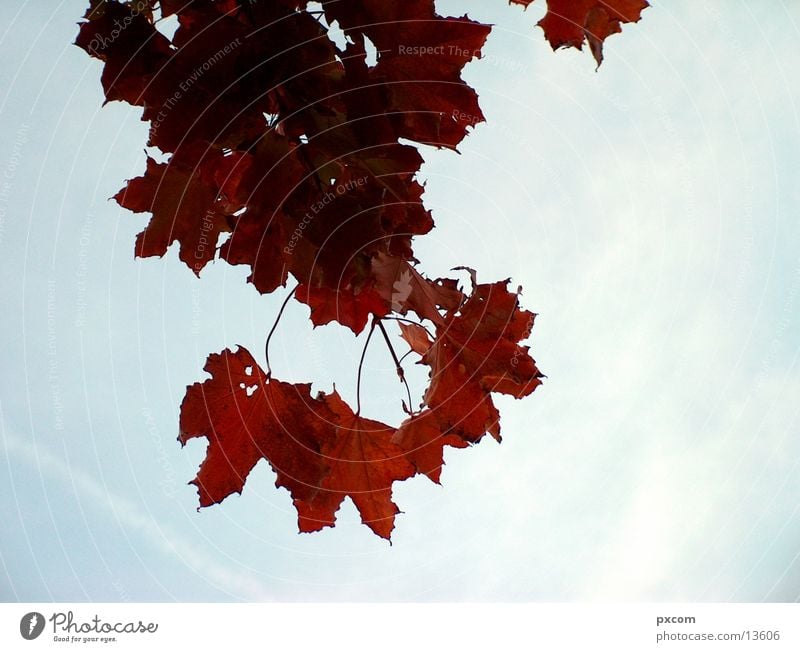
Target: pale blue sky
[{"x": 650, "y": 211}]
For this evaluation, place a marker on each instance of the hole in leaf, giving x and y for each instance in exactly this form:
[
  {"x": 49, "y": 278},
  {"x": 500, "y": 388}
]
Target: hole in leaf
[{"x": 372, "y": 52}]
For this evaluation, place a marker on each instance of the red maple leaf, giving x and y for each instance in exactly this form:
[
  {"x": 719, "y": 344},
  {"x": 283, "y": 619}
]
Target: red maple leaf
[
  {"x": 417, "y": 78},
  {"x": 130, "y": 46},
  {"x": 350, "y": 307},
  {"x": 404, "y": 288},
  {"x": 476, "y": 352},
  {"x": 319, "y": 449},
  {"x": 568, "y": 23},
  {"x": 364, "y": 463},
  {"x": 307, "y": 154},
  {"x": 423, "y": 439},
  {"x": 183, "y": 197},
  {"x": 248, "y": 417}
]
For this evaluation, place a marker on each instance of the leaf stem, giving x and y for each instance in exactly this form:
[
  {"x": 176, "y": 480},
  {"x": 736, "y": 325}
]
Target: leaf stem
[
  {"x": 274, "y": 326},
  {"x": 360, "y": 366},
  {"x": 400, "y": 373},
  {"x": 411, "y": 321}
]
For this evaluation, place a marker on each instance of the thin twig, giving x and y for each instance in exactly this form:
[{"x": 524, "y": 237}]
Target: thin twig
[
  {"x": 398, "y": 367},
  {"x": 274, "y": 326},
  {"x": 411, "y": 321},
  {"x": 360, "y": 365}
]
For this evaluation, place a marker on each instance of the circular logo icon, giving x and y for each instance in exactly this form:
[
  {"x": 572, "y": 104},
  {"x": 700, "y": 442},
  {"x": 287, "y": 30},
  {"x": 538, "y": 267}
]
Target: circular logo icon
[{"x": 31, "y": 625}]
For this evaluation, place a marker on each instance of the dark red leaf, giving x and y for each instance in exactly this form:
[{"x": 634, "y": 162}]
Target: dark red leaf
[
  {"x": 404, "y": 288},
  {"x": 246, "y": 418},
  {"x": 364, "y": 464},
  {"x": 423, "y": 438},
  {"x": 319, "y": 449},
  {"x": 307, "y": 154},
  {"x": 568, "y": 23},
  {"x": 184, "y": 199},
  {"x": 349, "y": 307}
]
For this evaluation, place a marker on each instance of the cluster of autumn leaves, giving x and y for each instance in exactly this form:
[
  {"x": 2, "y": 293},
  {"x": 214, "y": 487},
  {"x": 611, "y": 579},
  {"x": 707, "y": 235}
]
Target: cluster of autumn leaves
[
  {"x": 298, "y": 150},
  {"x": 322, "y": 451}
]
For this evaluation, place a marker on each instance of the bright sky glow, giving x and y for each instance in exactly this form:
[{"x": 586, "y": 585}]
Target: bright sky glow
[{"x": 650, "y": 212}]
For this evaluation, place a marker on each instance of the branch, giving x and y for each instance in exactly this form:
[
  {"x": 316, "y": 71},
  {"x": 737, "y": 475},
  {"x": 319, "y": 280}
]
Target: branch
[
  {"x": 416, "y": 323},
  {"x": 360, "y": 365},
  {"x": 274, "y": 326},
  {"x": 400, "y": 373}
]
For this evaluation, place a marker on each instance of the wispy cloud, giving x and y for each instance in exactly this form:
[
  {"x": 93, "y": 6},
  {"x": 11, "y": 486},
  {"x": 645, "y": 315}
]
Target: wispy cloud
[{"x": 157, "y": 535}]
